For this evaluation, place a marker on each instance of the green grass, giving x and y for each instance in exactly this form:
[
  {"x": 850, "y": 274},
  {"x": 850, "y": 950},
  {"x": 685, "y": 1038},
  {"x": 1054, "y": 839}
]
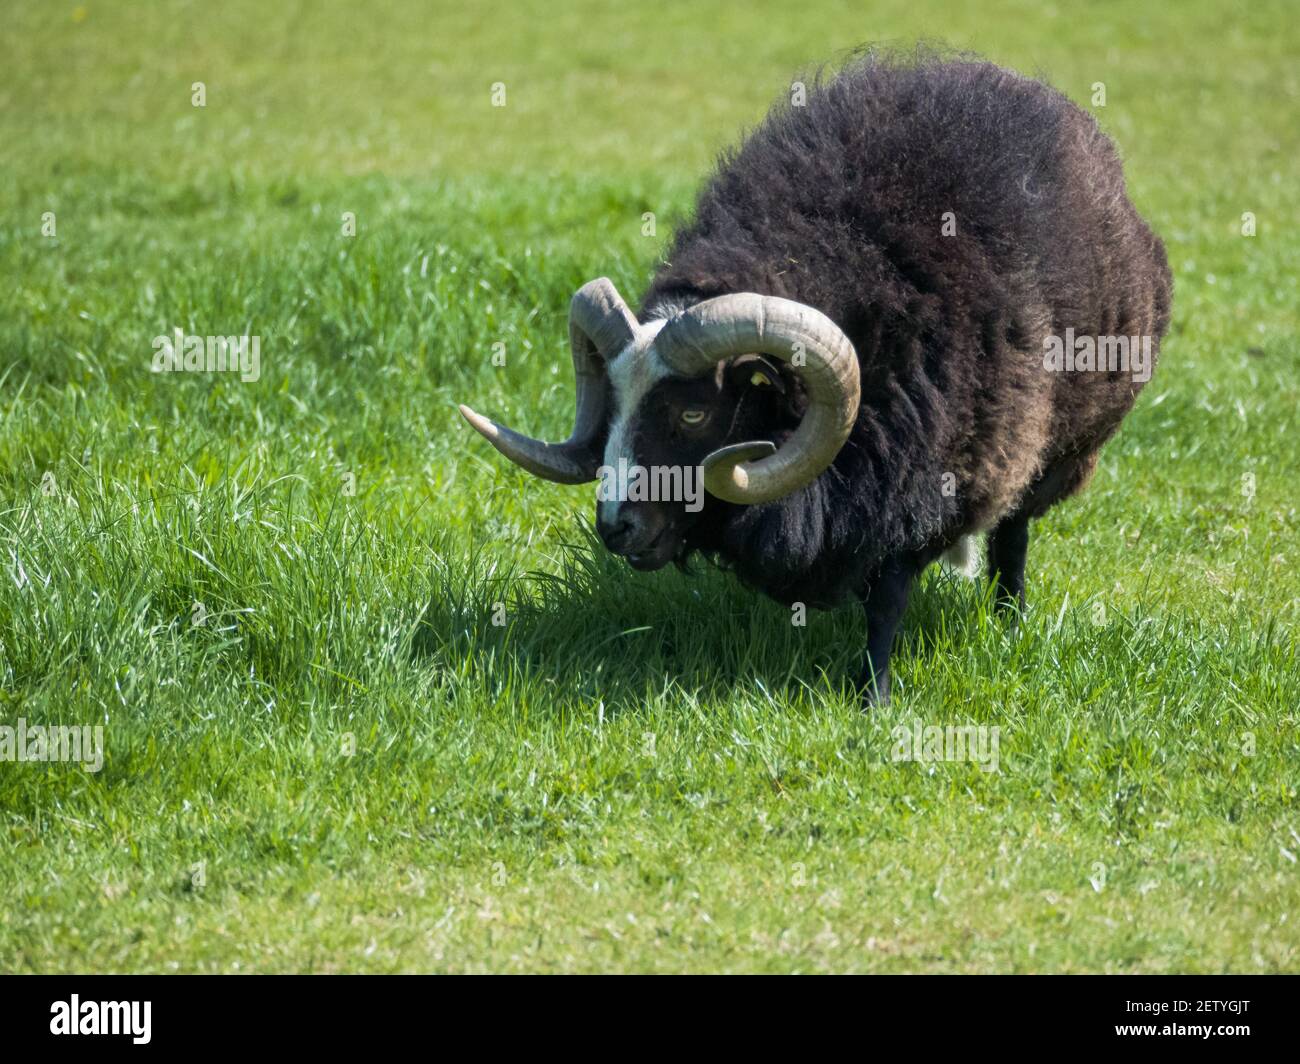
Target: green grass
[{"x": 632, "y": 772}]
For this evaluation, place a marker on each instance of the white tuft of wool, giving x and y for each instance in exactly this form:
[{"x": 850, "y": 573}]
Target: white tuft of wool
[{"x": 963, "y": 558}]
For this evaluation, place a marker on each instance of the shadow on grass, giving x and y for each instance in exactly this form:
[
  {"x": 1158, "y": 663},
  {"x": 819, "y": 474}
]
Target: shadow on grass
[{"x": 597, "y": 631}]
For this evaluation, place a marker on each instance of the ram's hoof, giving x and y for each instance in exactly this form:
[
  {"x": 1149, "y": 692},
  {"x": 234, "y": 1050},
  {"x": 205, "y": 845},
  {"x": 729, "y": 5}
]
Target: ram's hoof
[{"x": 874, "y": 694}]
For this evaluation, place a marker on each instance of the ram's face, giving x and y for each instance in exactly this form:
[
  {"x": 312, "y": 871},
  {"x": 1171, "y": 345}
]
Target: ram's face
[
  {"x": 662, "y": 426},
  {"x": 667, "y": 407}
]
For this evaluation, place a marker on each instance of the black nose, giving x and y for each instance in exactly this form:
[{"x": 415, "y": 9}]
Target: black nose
[{"x": 620, "y": 534}]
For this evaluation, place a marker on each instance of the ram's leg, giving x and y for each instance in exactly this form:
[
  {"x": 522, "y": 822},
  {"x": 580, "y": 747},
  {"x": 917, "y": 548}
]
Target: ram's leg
[
  {"x": 885, "y": 601},
  {"x": 1008, "y": 544}
]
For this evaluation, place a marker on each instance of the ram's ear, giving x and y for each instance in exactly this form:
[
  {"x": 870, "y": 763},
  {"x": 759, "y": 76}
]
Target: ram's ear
[{"x": 755, "y": 371}]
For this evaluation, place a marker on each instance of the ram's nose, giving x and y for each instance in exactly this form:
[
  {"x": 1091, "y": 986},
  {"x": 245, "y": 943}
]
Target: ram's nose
[{"x": 624, "y": 531}]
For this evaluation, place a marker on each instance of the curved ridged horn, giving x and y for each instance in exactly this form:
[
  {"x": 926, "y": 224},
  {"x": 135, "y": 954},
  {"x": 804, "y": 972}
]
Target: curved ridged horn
[
  {"x": 600, "y": 325},
  {"x": 812, "y": 345}
]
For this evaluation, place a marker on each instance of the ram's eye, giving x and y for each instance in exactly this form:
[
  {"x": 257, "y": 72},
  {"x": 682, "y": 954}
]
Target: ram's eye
[{"x": 693, "y": 417}]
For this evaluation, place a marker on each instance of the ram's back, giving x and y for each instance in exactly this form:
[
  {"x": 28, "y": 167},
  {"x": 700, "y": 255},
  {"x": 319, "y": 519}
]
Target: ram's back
[{"x": 950, "y": 216}]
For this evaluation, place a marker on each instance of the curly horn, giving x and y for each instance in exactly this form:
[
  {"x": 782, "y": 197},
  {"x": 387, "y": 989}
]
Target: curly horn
[
  {"x": 806, "y": 340},
  {"x": 600, "y": 325}
]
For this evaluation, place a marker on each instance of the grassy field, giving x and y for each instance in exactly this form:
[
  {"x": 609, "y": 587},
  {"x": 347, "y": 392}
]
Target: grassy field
[{"x": 277, "y": 596}]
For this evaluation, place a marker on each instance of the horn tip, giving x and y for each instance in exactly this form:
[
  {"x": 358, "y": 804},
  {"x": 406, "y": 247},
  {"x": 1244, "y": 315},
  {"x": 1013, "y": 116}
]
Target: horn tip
[{"x": 477, "y": 421}]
